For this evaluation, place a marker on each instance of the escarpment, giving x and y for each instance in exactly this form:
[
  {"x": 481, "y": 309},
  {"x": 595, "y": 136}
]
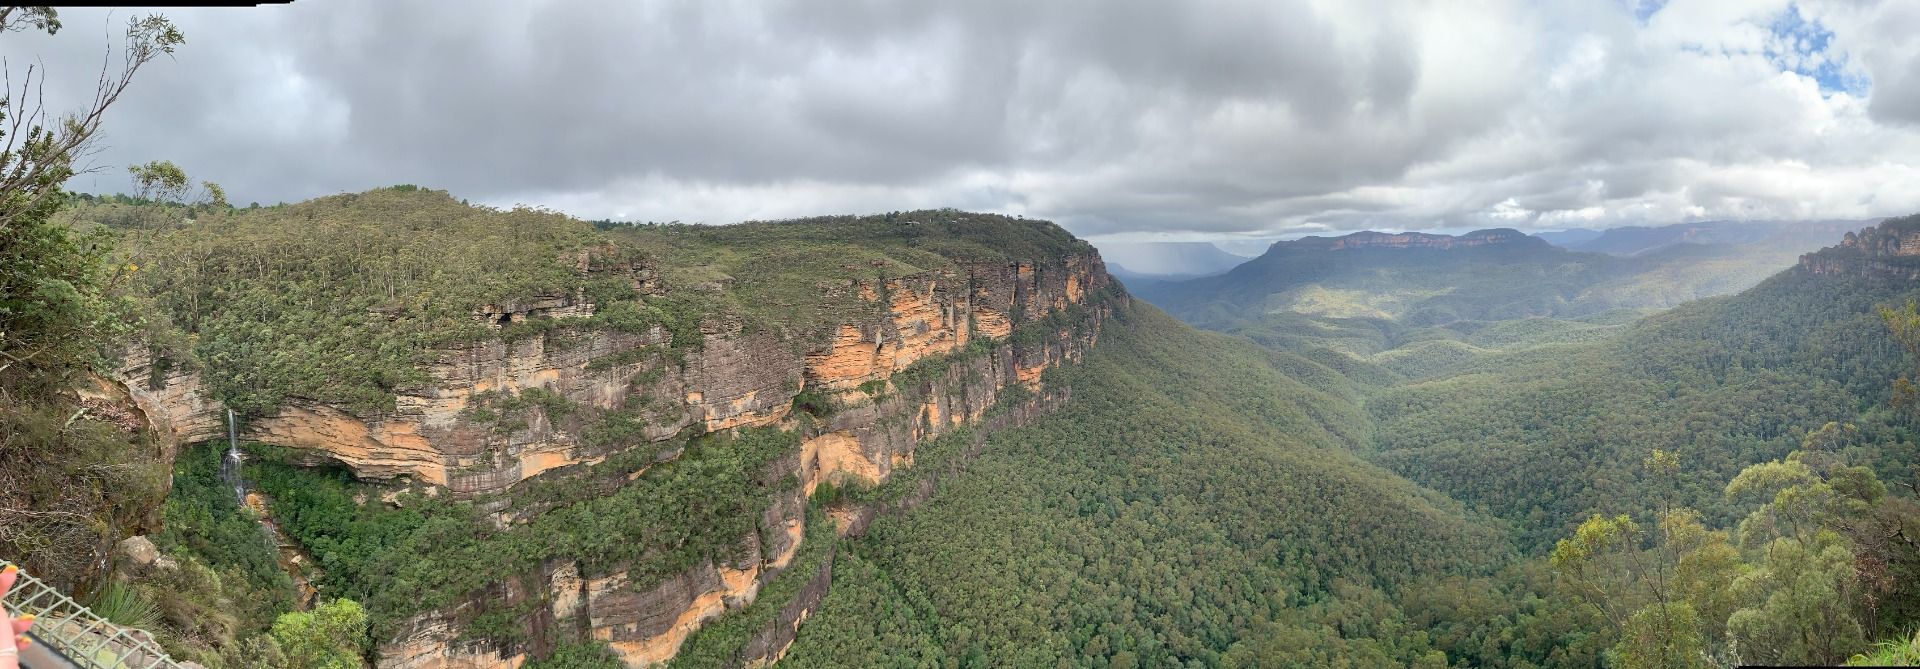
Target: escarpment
[
  {"x": 560, "y": 400},
  {"x": 1890, "y": 251},
  {"x": 916, "y": 370}
]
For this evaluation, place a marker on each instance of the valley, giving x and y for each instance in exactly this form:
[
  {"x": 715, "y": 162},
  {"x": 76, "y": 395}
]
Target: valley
[
  {"x": 1527, "y": 428},
  {"x": 454, "y": 335},
  {"x": 889, "y": 441}
]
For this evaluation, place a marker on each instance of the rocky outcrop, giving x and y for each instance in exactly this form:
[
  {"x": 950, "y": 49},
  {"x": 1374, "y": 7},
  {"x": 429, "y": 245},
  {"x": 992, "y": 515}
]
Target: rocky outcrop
[
  {"x": 872, "y": 436},
  {"x": 735, "y": 378},
  {"x": 1413, "y": 240},
  {"x": 139, "y": 552},
  {"x": 1890, "y": 251},
  {"x": 927, "y": 353},
  {"x": 171, "y": 398},
  {"x": 771, "y": 643},
  {"x": 646, "y": 627},
  {"x": 901, "y": 376},
  {"x": 433, "y": 642}
]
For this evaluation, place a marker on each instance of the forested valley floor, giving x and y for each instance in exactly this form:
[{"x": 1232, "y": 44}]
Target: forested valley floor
[{"x": 1719, "y": 483}]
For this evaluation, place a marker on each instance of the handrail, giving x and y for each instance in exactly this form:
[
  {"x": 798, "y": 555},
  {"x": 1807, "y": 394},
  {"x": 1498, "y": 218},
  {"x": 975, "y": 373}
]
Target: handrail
[{"x": 78, "y": 634}]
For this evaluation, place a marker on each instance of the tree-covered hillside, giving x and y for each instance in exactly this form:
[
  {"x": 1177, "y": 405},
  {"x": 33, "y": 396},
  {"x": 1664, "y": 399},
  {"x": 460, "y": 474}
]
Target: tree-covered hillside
[
  {"x": 1623, "y": 441},
  {"x": 1437, "y": 457},
  {"x": 341, "y": 299},
  {"x": 346, "y": 302},
  {"x": 1196, "y": 502},
  {"x": 1202, "y": 503},
  {"x": 1546, "y": 436}
]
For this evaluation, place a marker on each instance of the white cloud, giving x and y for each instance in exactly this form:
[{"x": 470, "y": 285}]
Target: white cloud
[{"x": 1216, "y": 119}]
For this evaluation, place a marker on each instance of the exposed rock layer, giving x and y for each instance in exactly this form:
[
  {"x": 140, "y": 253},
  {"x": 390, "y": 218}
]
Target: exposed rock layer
[
  {"x": 454, "y": 433},
  {"x": 1890, "y": 250},
  {"x": 769, "y": 644}
]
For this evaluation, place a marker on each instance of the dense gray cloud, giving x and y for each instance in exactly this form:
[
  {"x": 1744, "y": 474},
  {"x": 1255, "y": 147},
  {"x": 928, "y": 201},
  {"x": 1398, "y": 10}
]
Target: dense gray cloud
[{"x": 1122, "y": 119}]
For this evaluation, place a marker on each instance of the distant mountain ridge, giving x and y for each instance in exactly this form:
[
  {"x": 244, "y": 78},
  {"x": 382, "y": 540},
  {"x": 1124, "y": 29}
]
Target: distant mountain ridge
[
  {"x": 1168, "y": 260},
  {"x": 1793, "y": 236},
  {"x": 1568, "y": 238},
  {"x": 1412, "y": 276},
  {"x": 1411, "y": 240},
  {"x": 1397, "y": 281}
]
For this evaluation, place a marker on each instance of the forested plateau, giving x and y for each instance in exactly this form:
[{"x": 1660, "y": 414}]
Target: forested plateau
[{"x": 472, "y": 437}]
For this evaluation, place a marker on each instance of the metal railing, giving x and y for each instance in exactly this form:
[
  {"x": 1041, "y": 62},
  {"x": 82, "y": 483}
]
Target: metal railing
[{"x": 81, "y": 637}]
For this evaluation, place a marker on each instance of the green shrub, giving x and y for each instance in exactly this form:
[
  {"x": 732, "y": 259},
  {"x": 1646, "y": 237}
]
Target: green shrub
[
  {"x": 1890, "y": 654},
  {"x": 814, "y": 403},
  {"x": 331, "y": 636},
  {"x": 126, "y": 606},
  {"x": 826, "y": 494},
  {"x": 579, "y": 655}
]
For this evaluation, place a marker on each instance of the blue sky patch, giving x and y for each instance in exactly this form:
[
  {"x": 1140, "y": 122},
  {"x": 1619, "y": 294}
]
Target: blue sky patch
[
  {"x": 1643, "y": 10},
  {"x": 1803, "y": 48}
]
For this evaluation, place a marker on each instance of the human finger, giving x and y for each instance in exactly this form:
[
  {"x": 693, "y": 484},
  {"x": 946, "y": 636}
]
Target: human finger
[
  {"x": 10, "y": 644},
  {"x": 8, "y": 575}
]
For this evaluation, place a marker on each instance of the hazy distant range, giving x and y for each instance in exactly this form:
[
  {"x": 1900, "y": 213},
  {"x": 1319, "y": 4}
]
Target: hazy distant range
[
  {"x": 1174, "y": 261},
  {"x": 1167, "y": 260}
]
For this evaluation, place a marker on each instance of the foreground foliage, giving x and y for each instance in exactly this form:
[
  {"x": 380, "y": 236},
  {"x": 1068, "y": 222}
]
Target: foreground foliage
[{"x": 72, "y": 475}]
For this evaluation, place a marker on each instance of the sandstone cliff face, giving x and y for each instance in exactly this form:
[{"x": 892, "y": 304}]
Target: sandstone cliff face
[
  {"x": 1890, "y": 250},
  {"x": 886, "y": 404},
  {"x": 770, "y": 643},
  {"x": 174, "y": 402}
]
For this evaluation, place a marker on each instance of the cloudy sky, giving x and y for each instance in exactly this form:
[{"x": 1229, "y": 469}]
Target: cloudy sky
[{"x": 1121, "y": 119}]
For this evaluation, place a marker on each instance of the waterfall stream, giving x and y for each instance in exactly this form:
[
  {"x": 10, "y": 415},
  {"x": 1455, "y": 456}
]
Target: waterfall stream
[
  {"x": 290, "y": 559},
  {"x": 230, "y": 465}
]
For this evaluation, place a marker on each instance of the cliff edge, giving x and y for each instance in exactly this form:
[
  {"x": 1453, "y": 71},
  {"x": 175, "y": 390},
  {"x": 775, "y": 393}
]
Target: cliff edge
[
  {"x": 1890, "y": 250},
  {"x": 644, "y": 358}
]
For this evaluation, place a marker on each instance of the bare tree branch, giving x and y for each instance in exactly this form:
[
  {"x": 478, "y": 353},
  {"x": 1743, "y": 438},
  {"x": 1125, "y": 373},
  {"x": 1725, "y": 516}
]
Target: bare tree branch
[{"x": 40, "y": 151}]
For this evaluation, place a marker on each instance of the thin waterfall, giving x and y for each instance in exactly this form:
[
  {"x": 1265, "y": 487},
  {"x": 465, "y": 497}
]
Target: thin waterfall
[
  {"x": 230, "y": 473},
  {"x": 230, "y": 465}
]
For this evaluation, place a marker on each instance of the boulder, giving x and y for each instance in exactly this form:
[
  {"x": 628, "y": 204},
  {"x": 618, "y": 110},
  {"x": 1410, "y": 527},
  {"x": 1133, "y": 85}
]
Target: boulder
[{"x": 139, "y": 552}]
